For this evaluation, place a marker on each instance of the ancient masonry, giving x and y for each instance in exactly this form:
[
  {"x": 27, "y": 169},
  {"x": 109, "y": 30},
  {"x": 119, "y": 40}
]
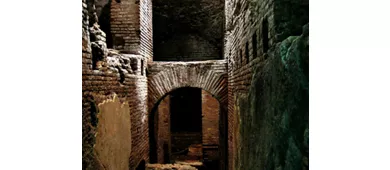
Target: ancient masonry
[{"x": 253, "y": 69}]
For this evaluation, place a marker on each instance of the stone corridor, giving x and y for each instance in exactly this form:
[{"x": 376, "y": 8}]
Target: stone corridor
[{"x": 195, "y": 84}]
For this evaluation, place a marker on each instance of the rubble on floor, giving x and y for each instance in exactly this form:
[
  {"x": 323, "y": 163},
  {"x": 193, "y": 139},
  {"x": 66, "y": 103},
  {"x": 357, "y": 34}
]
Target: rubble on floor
[{"x": 169, "y": 167}]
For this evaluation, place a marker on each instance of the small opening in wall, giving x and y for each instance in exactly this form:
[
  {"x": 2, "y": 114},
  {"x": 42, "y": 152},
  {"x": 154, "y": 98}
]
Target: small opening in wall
[
  {"x": 118, "y": 1},
  {"x": 97, "y": 57},
  {"x": 247, "y": 52},
  {"x": 254, "y": 45},
  {"x": 121, "y": 76},
  {"x": 134, "y": 64},
  {"x": 265, "y": 38}
]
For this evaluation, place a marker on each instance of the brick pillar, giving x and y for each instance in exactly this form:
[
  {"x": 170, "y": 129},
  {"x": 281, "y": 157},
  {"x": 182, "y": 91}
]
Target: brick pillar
[
  {"x": 125, "y": 25},
  {"x": 164, "y": 135},
  {"x": 210, "y": 119}
]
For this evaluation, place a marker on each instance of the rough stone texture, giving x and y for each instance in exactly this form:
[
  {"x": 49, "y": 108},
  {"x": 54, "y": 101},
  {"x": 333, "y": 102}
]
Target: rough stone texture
[
  {"x": 188, "y": 30},
  {"x": 290, "y": 16},
  {"x": 98, "y": 45},
  {"x": 277, "y": 111},
  {"x": 103, "y": 14},
  {"x": 97, "y": 37},
  {"x": 126, "y": 63},
  {"x": 113, "y": 137},
  {"x": 248, "y": 25},
  {"x": 99, "y": 85},
  {"x": 96, "y": 86},
  {"x": 86, "y": 48}
]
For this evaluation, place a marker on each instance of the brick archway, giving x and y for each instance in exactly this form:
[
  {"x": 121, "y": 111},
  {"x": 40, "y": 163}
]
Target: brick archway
[
  {"x": 165, "y": 77},
  {"x": 211, "y": 76}
]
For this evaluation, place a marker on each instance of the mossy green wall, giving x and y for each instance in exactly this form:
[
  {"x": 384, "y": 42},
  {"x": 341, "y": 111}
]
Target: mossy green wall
[{"x": 274, "y": 117}]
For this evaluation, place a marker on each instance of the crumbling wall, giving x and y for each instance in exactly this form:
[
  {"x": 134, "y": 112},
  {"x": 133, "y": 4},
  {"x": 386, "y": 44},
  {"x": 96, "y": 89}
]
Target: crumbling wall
[
  {"x": 113, "y": 137},
  {"x": 107, "y": 72}
]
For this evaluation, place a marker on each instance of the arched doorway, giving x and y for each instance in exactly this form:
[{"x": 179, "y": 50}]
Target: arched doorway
[{"x": 185, "y": 125}]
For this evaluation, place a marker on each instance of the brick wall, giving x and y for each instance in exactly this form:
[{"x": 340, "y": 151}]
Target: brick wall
[
  {"x": 243, "y": 20},
  {"x": 146, "y": 28},
  {"x": 186, "y": 48},
  {"x": 99, "y": 85},
  {"x": 253, "y": 28},
  {"x": 188, "y": 30},
  {"x": 96, "y": 87},
  {"x": 164, "y": 77},
  {"x": 163, "y": 131},
  {"x": 125, "y": 25},
  {"x": 210, "y": 119}
]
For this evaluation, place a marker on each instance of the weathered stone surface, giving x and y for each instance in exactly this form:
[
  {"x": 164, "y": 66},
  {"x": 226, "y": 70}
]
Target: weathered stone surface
[
  {"x": 98, "y": 46},
  {"x": 124, "y": 63},
  {"x": 252, "y": 30},
  {"x": 113, "y": 137},
  {"x": 98, "y": 86},
  {"x": 274, "y": 116}
]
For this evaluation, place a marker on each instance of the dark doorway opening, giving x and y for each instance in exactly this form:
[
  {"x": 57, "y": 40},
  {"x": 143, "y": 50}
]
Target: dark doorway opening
[
  {"x": 186, "y": 122},
  {"x": 186, "y": 127}
]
